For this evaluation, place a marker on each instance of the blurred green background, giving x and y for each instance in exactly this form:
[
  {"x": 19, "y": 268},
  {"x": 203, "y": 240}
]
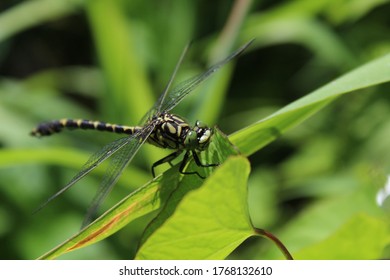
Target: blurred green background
[{"x": 110, "y": 60}]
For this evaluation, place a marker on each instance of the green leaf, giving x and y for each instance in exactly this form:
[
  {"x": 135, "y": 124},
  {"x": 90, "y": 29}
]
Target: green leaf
[
  {"x": 138, "y": 203},
  {"x": 210, "y": 222},
  {"x": 362, "y": 237},
  {"x": 259, "y": 134}
]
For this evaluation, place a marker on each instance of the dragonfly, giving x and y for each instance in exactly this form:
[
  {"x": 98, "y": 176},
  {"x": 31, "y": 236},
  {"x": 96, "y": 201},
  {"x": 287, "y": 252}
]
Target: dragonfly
[{"x": 158, "y": 127}]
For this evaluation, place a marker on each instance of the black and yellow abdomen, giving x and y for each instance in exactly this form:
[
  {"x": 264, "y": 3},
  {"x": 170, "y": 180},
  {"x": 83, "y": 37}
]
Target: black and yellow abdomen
[{"x": 49, "y": 128}]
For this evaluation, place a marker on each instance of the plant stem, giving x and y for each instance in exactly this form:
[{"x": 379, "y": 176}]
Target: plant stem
[{"x": 277, "y": 242}]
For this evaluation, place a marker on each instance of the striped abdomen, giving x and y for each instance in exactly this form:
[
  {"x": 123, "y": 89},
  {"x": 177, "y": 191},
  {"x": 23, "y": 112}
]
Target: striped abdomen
[{"x": 49, "y": 128}]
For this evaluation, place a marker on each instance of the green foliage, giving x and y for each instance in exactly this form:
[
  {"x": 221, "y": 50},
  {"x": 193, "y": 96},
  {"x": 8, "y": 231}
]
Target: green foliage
[
  {"x": 215, "y": 229},
  {"x": 317, "y": 163},
  {"x": 351, "y": 239}
]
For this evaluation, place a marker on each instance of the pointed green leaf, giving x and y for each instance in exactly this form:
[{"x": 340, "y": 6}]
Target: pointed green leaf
[
  {"x": 138, "y": 203},
  {"x": 210, "y": 222},
  {"x": 257, "y": 135}
]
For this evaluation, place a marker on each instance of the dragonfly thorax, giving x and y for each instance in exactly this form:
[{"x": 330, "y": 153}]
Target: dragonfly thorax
[{"x": 173, "y": 132}]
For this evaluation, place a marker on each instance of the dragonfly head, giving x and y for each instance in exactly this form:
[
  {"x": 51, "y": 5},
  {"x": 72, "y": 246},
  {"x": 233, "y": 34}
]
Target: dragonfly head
[{"x": 198, "y": 138}]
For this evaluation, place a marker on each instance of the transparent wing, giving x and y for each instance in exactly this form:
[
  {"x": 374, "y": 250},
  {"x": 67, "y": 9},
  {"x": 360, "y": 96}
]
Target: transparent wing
[
  {"x": 95, "y": 160},
  {"x": 184, "y": 88},
  {"x": 157, "y": 106},
  {"x": 118, "y": 162}
]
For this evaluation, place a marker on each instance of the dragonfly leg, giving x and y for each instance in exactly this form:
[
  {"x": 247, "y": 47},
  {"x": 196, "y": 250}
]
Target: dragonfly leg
[
  {"x": 184, "y": 164},
  {"x": 197, "y": 161},
  {"x": 168, "y": 159}
]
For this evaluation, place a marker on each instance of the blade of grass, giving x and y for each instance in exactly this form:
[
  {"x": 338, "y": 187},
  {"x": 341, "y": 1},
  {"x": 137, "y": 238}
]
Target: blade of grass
[
  {"x": 138, "y": 203},
  {"x": 259, "y": 134},
  {"x": 210, "y": 101},
  {"x": 66, "y": 157},
  {"x": 129, "y": 95},
  {"x": 31, "y": 13}
]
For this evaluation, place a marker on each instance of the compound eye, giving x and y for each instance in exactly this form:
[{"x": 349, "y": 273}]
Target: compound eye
[
  {"x": 200, "y": 124},
  {"x": 191, "y": 139},
  {"x": 205, "y": 137}
]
